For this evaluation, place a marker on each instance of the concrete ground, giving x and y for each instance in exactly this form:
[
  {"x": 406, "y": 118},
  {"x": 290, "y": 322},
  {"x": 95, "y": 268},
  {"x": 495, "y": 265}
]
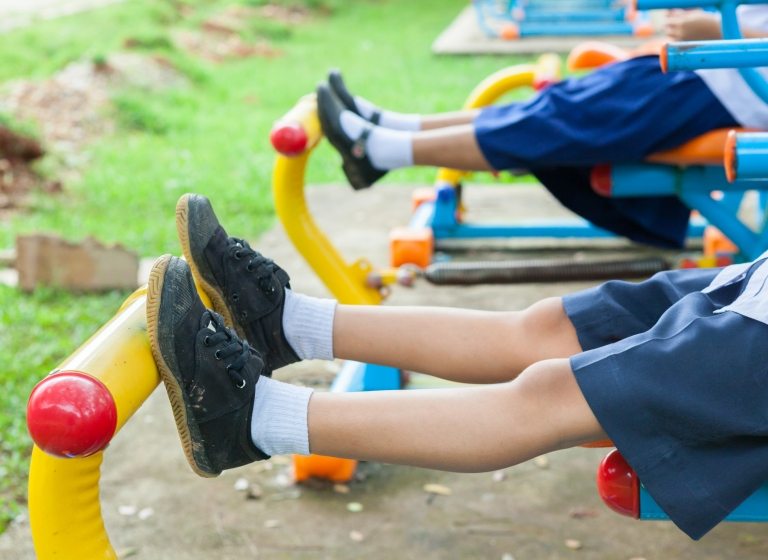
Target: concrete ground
[
  {"x": 19, "y": 13},
  {"x": 156, "y": 508}
]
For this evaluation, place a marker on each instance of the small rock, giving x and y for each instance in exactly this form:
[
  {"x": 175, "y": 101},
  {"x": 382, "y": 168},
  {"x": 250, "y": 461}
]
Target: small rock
[
  {"x": 581, "y": 513},
  {"x": 573, "y": 544},
  {"x": 145, "y": 513},
  {"x": 541, "y": 461},
  {"x": 283, "y": 480},
  {"x": 438, "y": 489},
  {"x": 356, "y": 536},
  {"x": 355, "y": 507},
  {"x": 507, "y": 556},
  {"x": 127, "y": 510},
  {"x": 341, "y": 488},
  {"x": 499, "y": 476},
  {"x": 254, "y": 492},
  {"x": 272, "y": 524},
  {"x": 241, "y": 484}
]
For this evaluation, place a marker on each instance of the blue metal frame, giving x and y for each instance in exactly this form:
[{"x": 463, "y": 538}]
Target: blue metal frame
[
  {"x": 752, "y": 509},
  {"x": 556, "y": 17}
]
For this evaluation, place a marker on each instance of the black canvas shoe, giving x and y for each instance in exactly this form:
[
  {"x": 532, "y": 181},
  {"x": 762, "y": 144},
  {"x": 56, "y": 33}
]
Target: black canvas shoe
[
  {"x": 245, "y": 287},
  {"x": 356, "y": 164},
  {"x": 336, "y": 83},
  {"x": 209, "y": 373}
]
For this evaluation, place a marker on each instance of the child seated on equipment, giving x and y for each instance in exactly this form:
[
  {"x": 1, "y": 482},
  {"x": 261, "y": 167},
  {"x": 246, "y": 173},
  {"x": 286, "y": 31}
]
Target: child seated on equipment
[
  {"x": 671, "y": 369},
  {"x": 622, "y": 112}
]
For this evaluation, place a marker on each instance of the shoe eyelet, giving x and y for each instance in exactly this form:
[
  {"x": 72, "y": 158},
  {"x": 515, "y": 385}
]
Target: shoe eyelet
[
  {"x": 217, "y": 355},
  {"x": 238, "y": 255},
  {"x": 249, "y": 268},
  {"x": 243, "y": 314},
  {"x": 235, "y": 297},
  {"x": 207, "y": 341},
  {"x": 241, "y": 385}
]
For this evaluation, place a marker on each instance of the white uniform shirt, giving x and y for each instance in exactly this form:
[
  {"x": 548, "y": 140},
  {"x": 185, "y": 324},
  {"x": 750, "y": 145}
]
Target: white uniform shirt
[
  {"x": 728, "y": 85},
  {"x": 753, "y": 300}
]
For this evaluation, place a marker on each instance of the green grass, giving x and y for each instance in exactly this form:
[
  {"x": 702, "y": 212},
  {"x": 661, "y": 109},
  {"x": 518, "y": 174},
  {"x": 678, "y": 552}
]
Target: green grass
[{"x": 210, "y": 137}]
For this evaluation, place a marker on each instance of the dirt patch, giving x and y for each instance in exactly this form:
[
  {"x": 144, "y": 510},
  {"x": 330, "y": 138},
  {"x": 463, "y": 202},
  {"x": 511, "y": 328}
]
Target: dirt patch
[
  {"x": 70, "y": 110},
  {"x": 219, "y": 46}
]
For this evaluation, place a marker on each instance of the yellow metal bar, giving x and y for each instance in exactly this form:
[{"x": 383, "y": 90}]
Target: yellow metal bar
[
  {"x": 486, "y": 93},
  {"x": 304, "y": 113},
  {"x": 64, "y": 509},
  {"x": 347, "y": 282}
]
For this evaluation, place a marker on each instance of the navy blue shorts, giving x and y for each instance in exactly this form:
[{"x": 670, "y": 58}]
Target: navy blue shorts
[
  {"x": 680, "y": 387},
  {"x": 620, "y": 113}
]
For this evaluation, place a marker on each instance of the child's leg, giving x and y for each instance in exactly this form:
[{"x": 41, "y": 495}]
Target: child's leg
[
  {"x": 457, "y": 344},
  {"x": 462, "y": 430}
]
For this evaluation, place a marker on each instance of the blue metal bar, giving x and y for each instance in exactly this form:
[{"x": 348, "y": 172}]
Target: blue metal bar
[
  {"x": 662, "y": 180},
  {"x": 746, "y": 53},
  {"x": 754, "y": 508},
  {"x": 571, "y": 29},
  {"x": 751, "y": 157},
  {"x": 690, "y": 4}
]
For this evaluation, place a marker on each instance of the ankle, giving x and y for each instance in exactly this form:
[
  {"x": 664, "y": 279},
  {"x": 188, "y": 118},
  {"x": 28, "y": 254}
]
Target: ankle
[{"x": 308, "y": 325}]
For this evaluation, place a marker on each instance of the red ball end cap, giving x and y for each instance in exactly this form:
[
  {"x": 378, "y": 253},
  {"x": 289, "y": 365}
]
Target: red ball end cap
[
  {"x": 600, "y": 179},
  {"x": 71, "y": 414},
  {"x": 290, "y": 139},
  {"x": 618, "y": 485}
]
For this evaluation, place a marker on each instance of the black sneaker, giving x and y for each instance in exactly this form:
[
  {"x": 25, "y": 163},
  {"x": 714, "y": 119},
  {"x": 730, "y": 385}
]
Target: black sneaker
[
  {"x": 247, "y": 288},
  {"x": 356, "y": 164},
  {"x": 336, "y": 83},
  {"x": 209, "y": 373}
]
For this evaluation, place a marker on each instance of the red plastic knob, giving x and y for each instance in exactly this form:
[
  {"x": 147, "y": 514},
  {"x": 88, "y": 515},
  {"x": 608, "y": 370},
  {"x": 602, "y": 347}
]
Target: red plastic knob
[
  {"x": 290, "y": 139},
  {"x": 601, "y": 181},
  {"x": 618, "y": 485},
  {"x": 71, "y": 414}
]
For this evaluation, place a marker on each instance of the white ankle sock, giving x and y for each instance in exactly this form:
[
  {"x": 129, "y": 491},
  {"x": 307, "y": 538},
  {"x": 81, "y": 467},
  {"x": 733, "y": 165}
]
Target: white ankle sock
[
  {"x": 279, "y": 420},
  {"x": 386, "y": 148},
  {"x": 308, "y": 325},
  {"x": 409, "y": 122}
]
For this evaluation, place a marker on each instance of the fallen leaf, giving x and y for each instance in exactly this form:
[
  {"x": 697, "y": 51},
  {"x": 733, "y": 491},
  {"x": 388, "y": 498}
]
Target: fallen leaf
[
  {"x": 573, "y": 544},
  {"x": 355, "y": 507},
  {"x": 581, "y": 513},
  {"x": 254, "y": 492},
  {"x": 437, "y": 489}
]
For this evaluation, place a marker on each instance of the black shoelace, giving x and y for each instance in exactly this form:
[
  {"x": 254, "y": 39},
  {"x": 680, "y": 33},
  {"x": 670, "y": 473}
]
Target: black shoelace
[
  {"x": 264, "y": 267},
  {"x": 229, "y": 345}
]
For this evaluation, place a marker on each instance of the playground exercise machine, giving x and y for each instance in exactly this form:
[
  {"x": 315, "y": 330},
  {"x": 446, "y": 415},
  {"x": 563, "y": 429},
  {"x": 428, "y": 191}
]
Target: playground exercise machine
[
  {"x": 746, "y": 161},
  {"x": 75, "y": 411},
  {"x": 516, "y": 19},
  {"x": 689, "y": 172}
]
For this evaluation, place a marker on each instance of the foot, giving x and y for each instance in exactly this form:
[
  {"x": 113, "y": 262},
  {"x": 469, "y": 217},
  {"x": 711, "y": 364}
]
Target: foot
[
  {"x": 245, "y": 287},
  {"x": 356, "y": 164},
  {"x": 209, "y": 373},
  {"x": 336, "y": 83}
]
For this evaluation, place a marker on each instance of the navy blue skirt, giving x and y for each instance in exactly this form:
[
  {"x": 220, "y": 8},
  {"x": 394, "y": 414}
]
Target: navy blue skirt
[
  {"x": 683, "y": 393},
  {"x": 620, "y": 113}
]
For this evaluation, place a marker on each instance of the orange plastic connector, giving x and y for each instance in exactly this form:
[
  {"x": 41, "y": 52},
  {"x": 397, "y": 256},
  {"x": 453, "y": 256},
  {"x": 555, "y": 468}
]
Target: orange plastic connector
[
  {"x": 599, "y": 443},
  {"x": 593, "y": 54},
  {"x": 510, "y": 32},
  {"x": 644, "y": 30},
  {"x": 729, "y": 156},
  {"x": 422, "y": 195},
  {"x": 411, "y": 246},
  {"x": 716, "y": 243},
  {"x": 320, "y": 466}
]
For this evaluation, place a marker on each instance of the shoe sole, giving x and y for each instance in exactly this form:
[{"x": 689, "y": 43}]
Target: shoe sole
[
  {"x": 172, "y": 385},
  {"x": 213, "y": 292}
]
